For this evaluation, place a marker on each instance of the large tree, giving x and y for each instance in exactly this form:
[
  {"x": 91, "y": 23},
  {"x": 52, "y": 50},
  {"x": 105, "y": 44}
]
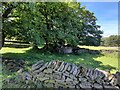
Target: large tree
[
  {"x": 6, "y": 11},
  {"x": 52, "y": 23}
]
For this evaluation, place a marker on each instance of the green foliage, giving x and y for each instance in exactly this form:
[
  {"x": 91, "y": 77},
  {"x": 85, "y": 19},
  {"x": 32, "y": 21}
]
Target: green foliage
[
  {"x": 113, "y": 40},
  {"x": 51, "y": 23}
]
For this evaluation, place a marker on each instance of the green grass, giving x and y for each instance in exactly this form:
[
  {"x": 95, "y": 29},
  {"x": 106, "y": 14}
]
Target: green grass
[
  {"x": 99, "y": 47},
  {"x": 103, "y": 61}
]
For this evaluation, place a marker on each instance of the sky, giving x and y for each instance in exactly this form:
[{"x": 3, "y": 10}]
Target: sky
[{"x": 107, "y": 15}]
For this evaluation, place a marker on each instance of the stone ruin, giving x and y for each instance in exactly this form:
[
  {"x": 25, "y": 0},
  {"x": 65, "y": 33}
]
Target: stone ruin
[{"x": 60, "y": 74}]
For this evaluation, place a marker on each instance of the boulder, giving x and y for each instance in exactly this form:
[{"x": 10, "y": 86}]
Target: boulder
[{"x": 67, "y": 50}]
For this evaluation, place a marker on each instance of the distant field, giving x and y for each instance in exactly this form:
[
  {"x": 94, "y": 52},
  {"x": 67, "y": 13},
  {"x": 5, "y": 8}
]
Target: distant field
[{"x": 99, "y": 47}]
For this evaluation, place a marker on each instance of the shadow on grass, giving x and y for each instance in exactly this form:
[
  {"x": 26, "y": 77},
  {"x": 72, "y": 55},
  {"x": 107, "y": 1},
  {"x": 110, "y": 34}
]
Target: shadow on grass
[
  {"x": 32, "y": 56},
  {"x": 17, "y": 45}
]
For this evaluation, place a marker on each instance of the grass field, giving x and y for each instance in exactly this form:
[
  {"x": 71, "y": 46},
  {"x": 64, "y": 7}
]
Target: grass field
[
  {"x": 103, "y": 61},
  {"x": 99, "y": 47}
]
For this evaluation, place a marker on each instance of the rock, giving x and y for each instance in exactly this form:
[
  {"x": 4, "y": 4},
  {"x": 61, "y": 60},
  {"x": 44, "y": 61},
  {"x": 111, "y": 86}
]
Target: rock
[
  {"x": 48, "y": 71},
  {"x": 57, "y": 65},
  {"x": 73, "y": 68},
  {"x": 77, "y": 86},
  {"x": 62, "y": 65},
  {"x": 57, "y": 72},
  {"x": 95, "y": 75},
  {"x": 39, "y": 84},
  {"x": 69, "y": 83},
  {"x": 63, "y": 77},
  {"x": 103, "y": 74},
  {"x": 75, "y": 78},
  {"x": 69, "y": 80},
  {"x": 62, "y": 82},
  {"x": 97, "y": 86},
  {"x": 82, "y": 79},
  {"x": 49, "y": 85},
  {"x": 106, "y": 87},
  {"x": 58, "y": 85},
  {"x": 43, "y": 78},
  {"x": 69, "y": 68},
  {"x": 113, "y": 80},
  {"x": 66, "y": 74},
  {"x": 53, "y": 64},
  {"x": 117, "y": 75},
  {"x": 40, "y": 75},
  {"x": 77, "y": 74},
  {"x": 100, "y": 81},
  {"x": 50, "y": 81},
  {"x": 80, "y": 51},
  {"x": 26, "y": 76},
  {"x": 91, "y": 74},
  {"x": 48, "y": 76},
  {"x": 37, "y": 65},
  {"x": 50, "y": 64},
  {"x": 88, "y": 72},
  {"x": 75, "y": 71},
  {"x": 65, "y": 67},
  {"x": 71, "y": 76},
  {"x": 67, "y": 50},
  {"x": 75, "y": 82},
  {"x": 86, "y": 85},
  {"x": 83, "y": 71},
  {"x": 72, "y": 86},
  {"x": 57, "y": 76},
  {"x": 43, "y": 67}
]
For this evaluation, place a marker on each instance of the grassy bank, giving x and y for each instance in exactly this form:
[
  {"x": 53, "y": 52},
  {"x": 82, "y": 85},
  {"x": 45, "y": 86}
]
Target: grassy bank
[{"x": 103, "y": 61}]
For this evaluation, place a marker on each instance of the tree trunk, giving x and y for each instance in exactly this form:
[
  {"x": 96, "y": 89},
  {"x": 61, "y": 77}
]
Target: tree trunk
[
  {"x": 3, "y": 39},
  {"x": 35, "y": 47}
]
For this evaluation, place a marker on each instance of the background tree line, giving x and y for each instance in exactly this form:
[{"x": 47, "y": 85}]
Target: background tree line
[
  {"x": 113, "y": 40},
  {"x": 50, "y": 24}
]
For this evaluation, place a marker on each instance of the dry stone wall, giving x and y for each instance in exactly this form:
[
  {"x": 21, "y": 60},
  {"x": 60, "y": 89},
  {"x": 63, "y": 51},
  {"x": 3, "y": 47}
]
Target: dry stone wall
[{"x": 66, "y": 75}]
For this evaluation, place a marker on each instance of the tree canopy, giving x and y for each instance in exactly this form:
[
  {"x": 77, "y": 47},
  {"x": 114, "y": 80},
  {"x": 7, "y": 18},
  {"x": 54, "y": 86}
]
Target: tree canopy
[
  {"x": 50, "y": 23},
  {"x": 112, "y": 40}
]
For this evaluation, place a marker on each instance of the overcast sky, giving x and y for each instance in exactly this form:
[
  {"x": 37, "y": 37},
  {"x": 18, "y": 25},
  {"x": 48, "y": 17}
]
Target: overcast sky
[{"x": 107, "y": 15}]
